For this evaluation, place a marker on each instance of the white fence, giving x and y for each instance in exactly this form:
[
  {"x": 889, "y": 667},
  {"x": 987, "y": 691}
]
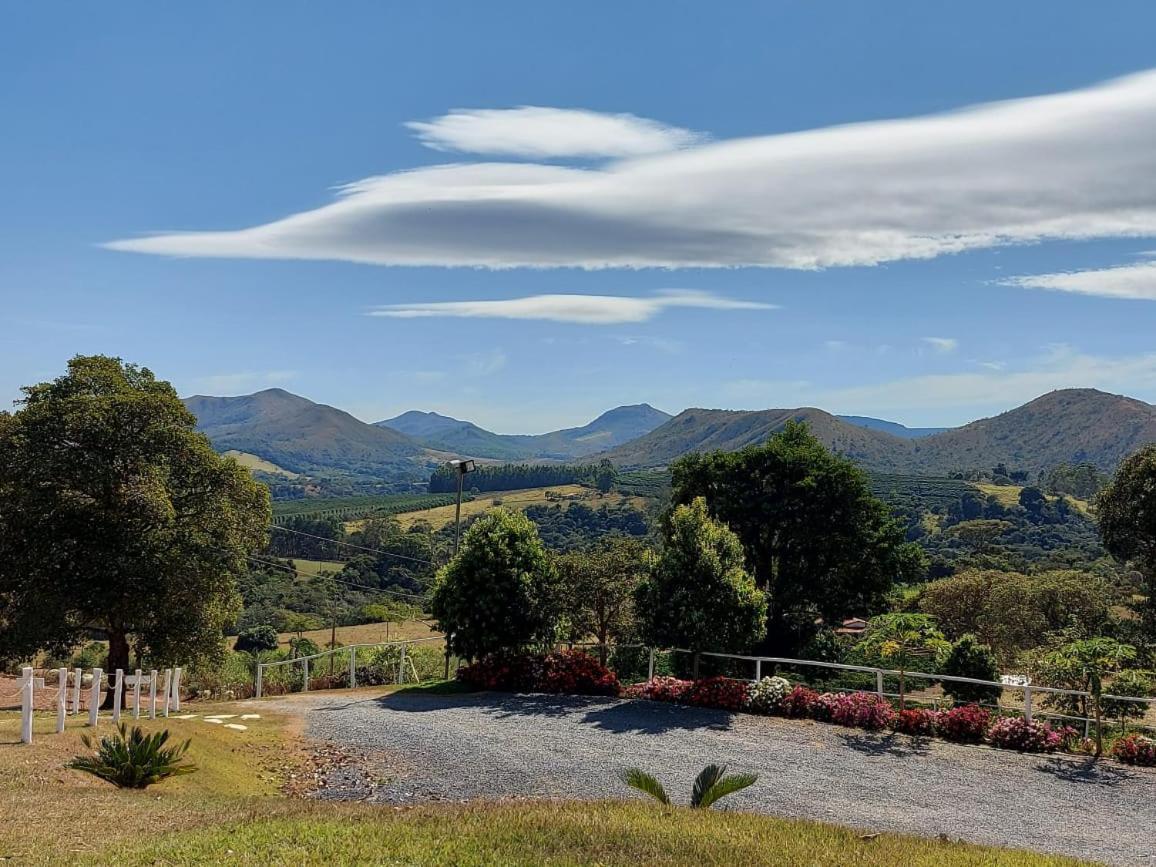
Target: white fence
[
  {"x": 67, "y": 695},
  {"x": 351, "y": 649}
]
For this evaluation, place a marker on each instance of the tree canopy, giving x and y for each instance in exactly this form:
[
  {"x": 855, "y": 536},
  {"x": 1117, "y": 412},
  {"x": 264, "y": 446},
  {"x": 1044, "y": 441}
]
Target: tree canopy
[
  {"x": 598, "y": 586},
  {"x": 1126, "y": 512},
  {"x": 116, "y": 515}
]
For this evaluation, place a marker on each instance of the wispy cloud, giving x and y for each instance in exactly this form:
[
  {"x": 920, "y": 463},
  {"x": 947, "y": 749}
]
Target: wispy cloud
[
  {"x": 243, "y": 381},
  {"x": 1002, "y": 173},
  {"x": 1135, "y": 282},
  {"x": 942, "y": 345},
  {"x": 582, "y": 309},
  {"x": 544, "y": 133},
  {"x": 481, "y": 364}
]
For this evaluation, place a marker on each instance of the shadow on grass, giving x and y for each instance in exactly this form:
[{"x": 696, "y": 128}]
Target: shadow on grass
[
  {"x": 1089, "y": 770},
  {"x": 891, "y": 744}
]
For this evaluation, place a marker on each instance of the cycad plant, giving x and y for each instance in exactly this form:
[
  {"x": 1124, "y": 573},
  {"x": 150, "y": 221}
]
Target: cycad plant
[
  {"x": 133, "y": 760},
  {"x": 712, "y": 784}
]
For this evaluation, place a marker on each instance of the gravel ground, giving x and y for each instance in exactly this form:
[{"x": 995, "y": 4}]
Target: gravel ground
[{"x": 492, "y": 745}]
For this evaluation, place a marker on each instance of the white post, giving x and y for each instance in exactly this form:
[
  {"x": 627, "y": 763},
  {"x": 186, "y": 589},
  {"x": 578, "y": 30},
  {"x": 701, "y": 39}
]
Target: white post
[
  {"x": 62, "y": 700},
  {"x": 1028, "y": 703},
  {"x": 168, "y": 690},
  {"x": 176, "y": 689},
  {"x": 136, "y": 695},
  {"x": 650, "y": 670},
  {"x": 27, "y": 696},
  {"x": 758, "y": 670},
  {"x": 879, "y": 682},
  {"x": 305, "y": 681},
  {"x": 152, "y": 693},
  {"x": 401, "y": 666},
  {"x": 77, "y": 676},
  {"x": 260, "y": 670},
  {"x": 94, "y": 697},
  {"x": 117, "y": 696},
  {"x": 353, "y": 668}
]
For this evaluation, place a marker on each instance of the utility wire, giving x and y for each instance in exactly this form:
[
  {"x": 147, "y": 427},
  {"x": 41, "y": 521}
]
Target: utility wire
[{"x": 351, "y": 545}]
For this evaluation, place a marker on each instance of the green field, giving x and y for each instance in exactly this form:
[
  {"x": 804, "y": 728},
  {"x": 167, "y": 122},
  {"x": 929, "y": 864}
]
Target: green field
[{"x": 358, "y": 507}]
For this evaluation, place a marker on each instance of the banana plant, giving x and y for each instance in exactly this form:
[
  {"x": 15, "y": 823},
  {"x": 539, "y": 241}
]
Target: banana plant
[{"x": 711, "y": 785}]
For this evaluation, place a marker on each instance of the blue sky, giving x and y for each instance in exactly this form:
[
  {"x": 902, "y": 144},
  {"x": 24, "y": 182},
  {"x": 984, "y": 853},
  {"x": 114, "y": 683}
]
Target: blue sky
[{"x": 170, "y": 182}]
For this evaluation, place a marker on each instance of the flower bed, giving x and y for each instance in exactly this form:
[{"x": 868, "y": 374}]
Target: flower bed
[
  {"x": 1135, "y": 750},
  {"x": 724, "y": 693},
  {"x": 864, "y": 710},
  {"x": 917, "y": 722},
  {"x": 766, "y": 695},
  {"x": 1017, "y": 733},
  {"x": 965, "y": 725},
  {"x": 568, "y": 671}
]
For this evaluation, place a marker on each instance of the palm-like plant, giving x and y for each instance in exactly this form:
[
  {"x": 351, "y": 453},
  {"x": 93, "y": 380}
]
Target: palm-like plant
[
  {"x": 133, "y": 760},
  {"x": 711, "y": 785}
]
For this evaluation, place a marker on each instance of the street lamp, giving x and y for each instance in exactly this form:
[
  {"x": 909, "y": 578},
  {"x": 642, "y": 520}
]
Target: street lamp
[{"x": 462, "y": 467}]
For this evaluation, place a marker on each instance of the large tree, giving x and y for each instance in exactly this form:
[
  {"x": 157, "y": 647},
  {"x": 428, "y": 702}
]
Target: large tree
[
  {"x": 500, "y": 592},
  {"x": 116, "y": 515},
  {"x": 598, "y": 586},
  {"x": 699, "y": 595},
  {"x": 817, "y": 541},
  {"x": 1126, "y": 513}
]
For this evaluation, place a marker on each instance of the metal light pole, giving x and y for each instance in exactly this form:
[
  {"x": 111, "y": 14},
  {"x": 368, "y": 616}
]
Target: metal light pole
[{"x": 462, "y": 467}]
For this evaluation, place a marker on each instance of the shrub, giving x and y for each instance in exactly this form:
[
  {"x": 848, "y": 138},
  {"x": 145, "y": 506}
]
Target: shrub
[
  {"x": 855, "y": 709},
  {"x": 766, "y": 695},
  {"x": 504, "y": 671},
  {"x": 969, "y": 658},
  {"x": 965, "y": 724},
  {"x": 917, "y": 722},
  {"x": 91, "y": 655},
  {"x": 1016, "y": 733},
  {"x": 133, "y": 760},
  {"x": 570, "y": 671},
  {"x": 799, "y": 702},
  {"x": 661, "y": 689},
  {"x": 1135, "y": 749},
  {"x": 256, "y": 639},
  {"x": 720, "y": 692},
  {"x": 303, "y": 647}
]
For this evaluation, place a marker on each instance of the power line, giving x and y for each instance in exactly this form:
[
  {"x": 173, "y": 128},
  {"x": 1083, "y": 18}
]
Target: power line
[
  {"x": 290, "y": 569},
  {"x": 351, "y": 545}
]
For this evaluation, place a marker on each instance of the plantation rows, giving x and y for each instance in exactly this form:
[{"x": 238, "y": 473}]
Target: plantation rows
[
  {"x": 644, "y": 483},
  {"x": 920, "y": 492},
  {"x": 354, "y": 508}
]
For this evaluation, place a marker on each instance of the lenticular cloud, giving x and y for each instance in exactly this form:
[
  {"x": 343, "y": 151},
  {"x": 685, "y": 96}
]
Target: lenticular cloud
[{"x": 1073, "y": 165}]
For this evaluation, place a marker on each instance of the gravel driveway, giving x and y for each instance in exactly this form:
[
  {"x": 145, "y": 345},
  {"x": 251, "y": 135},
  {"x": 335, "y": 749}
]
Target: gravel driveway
[{"x": 482, "y": 745}]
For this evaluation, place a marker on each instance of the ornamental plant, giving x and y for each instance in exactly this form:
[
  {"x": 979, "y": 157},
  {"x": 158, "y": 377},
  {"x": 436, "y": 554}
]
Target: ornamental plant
[
  {"x": 864, "y": 710},
  {"x": 725, "y": 693},
  {"x": 1017, "y": 733},
  {"x": 570, "y": 671},
  {"x": 711, "y": 785},
  {"x": 766, "y": 695},
  {"x": 966, "y": 724},
  {"x": 799, "y": 703},
  {"x": 1135, "y": 749},
  {"x": 133, "y": 760},
  {"x": 916, "y": 721}
]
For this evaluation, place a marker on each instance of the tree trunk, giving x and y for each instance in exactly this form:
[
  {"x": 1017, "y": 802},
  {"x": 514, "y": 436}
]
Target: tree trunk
[{"x": 117, "y": 658}]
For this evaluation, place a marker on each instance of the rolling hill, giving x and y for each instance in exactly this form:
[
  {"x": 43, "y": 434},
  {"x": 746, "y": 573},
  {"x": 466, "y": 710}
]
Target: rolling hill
[
  {"x": 1066, "y": 426},
  {"x": 892, "y": 427}
]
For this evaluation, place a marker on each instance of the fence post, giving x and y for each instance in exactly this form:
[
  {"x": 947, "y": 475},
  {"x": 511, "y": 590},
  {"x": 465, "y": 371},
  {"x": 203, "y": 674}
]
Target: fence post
[
  {"x": 305, "y": 682},
  {"x": 650, "y": 670},
  {"x": 118, "y": 690},
  {"x": 353, "y": 667},
  {"x": 62, "y": 700},
  {"x": 168, "y": 691},
  {"x": 152, "y": 693},
  {"x": 696, "y": 659},
  {"x": 177, "y": 689},
  {"x": 26, "y": 700},
  {"x": 1028, "y": 703},
  {"x": 758, "y": 670},
  {"x": 401, "y": 666},
  {"x": 94, "y": 697},
  {"x": 260, "y": 671},
  {"x": 879, "y": 681},
  {"x": 136, "y": 695},
  {"x": 77, "y": 676}
]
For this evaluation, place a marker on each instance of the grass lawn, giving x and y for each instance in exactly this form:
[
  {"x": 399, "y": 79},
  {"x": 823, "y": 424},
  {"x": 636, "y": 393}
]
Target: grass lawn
[{"x": 231, "y": 811}]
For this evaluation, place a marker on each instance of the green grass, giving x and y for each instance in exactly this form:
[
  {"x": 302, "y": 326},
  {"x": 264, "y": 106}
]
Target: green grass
[{"x": 606, "y": 833}]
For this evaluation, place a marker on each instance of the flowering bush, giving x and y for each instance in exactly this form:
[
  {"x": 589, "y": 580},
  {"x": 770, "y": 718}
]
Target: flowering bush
[
  {"x": 722, "y": 692},
  {"x": 799, "y": 702},
  {"x": 1135, "y": 750},
  {"x": 917, "y": 722},
  {"x": 1016, "y": 733},
  {"x": 856, "y": 709},
  {"x": 660, "y": 689},
  {"x": 965, "y": 724},
  {"x": 766, "y": 695},
  {"x": 504, "y": 671},
  {"x": 569, "y": 671}
]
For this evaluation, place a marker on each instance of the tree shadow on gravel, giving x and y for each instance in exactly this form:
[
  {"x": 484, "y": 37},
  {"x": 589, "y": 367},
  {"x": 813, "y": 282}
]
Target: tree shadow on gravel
[
  {"x": 1088, "y": 770},
  {"x": 500, "y": 704},
  {"x": 655, "y": 718},
  {"x": 898, "y": 746}
]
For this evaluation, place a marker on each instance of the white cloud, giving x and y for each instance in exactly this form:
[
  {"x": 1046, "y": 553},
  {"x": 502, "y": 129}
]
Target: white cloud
[
  {"x": 1137, "y": 282},
  {"x": 836, "y": 345},
  {"x": 943, "y": 345},
  {"x": 1003, "y": 173},
  {"x": 243, "y": 381},
  {"x": 545, "y": 133},
  {"x": 484, "y": 363},
  {"x": 583, "y": 309}
]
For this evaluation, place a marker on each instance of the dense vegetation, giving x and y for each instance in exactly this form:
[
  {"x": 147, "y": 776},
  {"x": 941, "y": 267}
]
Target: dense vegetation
[{"x": 512, "y": 477}]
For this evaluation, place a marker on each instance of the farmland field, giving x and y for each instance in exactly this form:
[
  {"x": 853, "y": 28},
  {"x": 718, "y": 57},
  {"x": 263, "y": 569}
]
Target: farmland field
[
  {"x": 254, "y": 463},
  {"x": 358, "y": 507}
]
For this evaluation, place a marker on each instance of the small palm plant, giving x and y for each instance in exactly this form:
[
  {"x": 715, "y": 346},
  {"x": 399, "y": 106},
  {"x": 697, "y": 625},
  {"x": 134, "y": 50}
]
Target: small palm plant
[
  {"x": 712, "y": 784},
  {"x": 133, "y": 760}
]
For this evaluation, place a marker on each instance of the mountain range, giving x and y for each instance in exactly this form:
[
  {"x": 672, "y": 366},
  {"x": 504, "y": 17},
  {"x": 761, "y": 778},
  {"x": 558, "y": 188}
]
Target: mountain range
[{"x": 297, "y": 434}]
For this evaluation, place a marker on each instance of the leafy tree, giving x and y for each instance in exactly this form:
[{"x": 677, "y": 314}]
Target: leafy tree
[
  {"x": 605, "y": 476},
  {"x": 1033, "y": 501},
  {"x": 1082, "y": 481},
  {"x": 500, "y": 592},
  {"x": 257, "y": 639},
  {"x": 979, "y": 534},
  {"x": 700, "y": 596},
  {"x": 598, "y": 586},
  {"x": 1126, "y": 512},
  {"x": 1089, "y": 660},
  {"x": 299, "y": 623},
  {"x": 1131, "y": 682},
  {"x": 116, "y": 515},
  {"x": 969, "y": 658},
  {"x": 816, "y": 540},
  {"x": 898, "y": 640}
]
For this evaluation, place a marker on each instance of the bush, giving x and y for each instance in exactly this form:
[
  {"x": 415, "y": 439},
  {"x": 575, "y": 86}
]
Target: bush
[
  {"x": 724, "y": 693},
  {"x": 92, "y": 655},
  {"x": 303, "y": 647},
  {"x": 571, "y": 672},
  {"x": 505, "y": 671},
  {"x": 133, "y": 760},
  {"x": 966, "y": 724},
  {"x": 1129, "y": 682},
  {"x": 917, "y": 722},
  {"x": 766, "y": 695},
  {"x": 1016, "y": 733},
  {"x": 969, "y": 658},
  {"x": 864, "y": 710},
  {"x": 660, "y": 689},
  {"x": 256, "y": 639},
  {"x": 800, "y": 702},
  {"x": 1135, "y": 749}
]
